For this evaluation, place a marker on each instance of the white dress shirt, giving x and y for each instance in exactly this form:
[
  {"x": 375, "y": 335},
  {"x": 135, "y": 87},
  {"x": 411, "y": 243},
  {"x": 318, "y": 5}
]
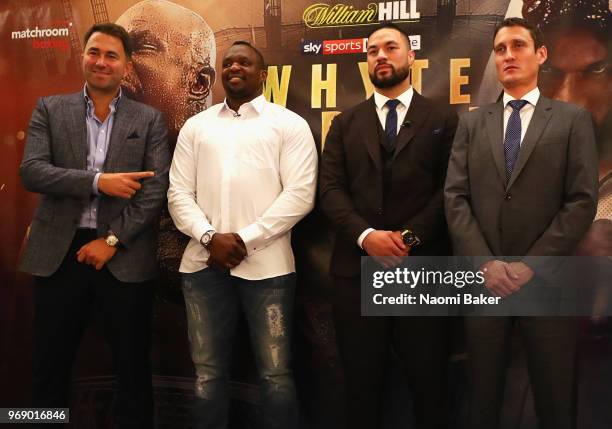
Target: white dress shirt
[
  {"x": 252, "y": 172},
  {"x": 526, "y": 112},
  {"x": 381, "y": 110}
]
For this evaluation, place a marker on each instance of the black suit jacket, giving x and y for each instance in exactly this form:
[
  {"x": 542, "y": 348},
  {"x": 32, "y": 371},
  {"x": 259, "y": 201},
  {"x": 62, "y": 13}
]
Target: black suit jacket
[{"x": 351, "y": 179}]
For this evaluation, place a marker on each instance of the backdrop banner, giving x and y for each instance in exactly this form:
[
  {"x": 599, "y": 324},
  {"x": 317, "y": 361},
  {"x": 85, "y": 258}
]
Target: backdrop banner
[{"x": 315, "y": 51}]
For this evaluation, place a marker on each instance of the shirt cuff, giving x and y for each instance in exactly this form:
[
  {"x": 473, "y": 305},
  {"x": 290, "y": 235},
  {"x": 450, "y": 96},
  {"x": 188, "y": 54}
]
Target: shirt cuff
[
  {"x": 363, "y": 236},
  {"x": 95, "y": 189},
  {"x": 252, "y": 237}
]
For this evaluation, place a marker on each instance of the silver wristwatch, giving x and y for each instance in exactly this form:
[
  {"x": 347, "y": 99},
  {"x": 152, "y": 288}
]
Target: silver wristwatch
[{"x": 206, "y": 238}]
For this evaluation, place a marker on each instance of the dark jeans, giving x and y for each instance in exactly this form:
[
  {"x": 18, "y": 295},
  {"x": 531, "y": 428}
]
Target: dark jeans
[
  {"x": 550, "y": 344},
  {"x": 213, "y": 299},
  {"x": 63, "y": 303},
  {"x": 364, "y": 343}
]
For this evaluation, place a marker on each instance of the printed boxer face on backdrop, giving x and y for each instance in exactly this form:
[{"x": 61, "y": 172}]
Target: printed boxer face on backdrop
[
  {"x": 579, "y": 71},
  {"x": 174, "y": 57}
]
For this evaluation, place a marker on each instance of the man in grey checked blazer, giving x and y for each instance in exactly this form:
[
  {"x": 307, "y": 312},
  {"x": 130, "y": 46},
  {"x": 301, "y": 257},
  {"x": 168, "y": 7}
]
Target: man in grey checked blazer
[{"x": 100, "y": 162}]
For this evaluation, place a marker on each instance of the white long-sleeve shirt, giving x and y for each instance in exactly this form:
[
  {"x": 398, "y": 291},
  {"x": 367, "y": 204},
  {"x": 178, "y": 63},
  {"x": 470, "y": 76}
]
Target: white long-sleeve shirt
[{"x": 252, "y": 172}]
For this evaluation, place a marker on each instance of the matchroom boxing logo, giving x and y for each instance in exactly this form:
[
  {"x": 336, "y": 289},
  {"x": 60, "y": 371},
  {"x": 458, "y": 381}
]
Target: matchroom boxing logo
[{"x": 45, "y": 38}]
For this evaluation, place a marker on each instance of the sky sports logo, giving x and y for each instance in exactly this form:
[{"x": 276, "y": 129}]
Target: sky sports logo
[
  {"x": 346, "y": 46},
  {"x": 334, "y": 47}
]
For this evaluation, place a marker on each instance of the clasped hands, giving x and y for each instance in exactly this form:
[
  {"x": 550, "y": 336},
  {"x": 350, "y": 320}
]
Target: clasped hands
[
  {"x": 387, "y": 247},
  {"x": 503, "y": 279},
  {"x": 227, "y": 250}
]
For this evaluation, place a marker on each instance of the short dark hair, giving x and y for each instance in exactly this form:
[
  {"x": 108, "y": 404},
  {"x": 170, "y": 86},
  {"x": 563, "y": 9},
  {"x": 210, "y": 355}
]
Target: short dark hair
[
  {"x": 392, "y": 26},
  {"x": 112, "y": 30},
  {"x": 536, "y": 33},
  {"x": 260, "y": 56}
]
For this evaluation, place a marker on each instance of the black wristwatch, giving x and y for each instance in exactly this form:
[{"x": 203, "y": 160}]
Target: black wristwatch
[{"x": 410, "y": 239}]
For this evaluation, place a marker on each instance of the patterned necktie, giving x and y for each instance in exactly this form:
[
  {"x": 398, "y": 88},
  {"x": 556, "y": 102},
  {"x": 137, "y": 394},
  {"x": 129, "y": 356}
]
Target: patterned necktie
[
  {"x": 512, "y": 141},
  {"x": 391, "y": 124}
]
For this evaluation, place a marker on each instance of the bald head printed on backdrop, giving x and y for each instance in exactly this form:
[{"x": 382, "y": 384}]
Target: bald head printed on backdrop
[{"x": 174, "y": 59}]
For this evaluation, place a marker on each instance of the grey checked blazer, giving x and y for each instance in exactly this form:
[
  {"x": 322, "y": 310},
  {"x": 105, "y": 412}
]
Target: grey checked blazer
[{"x": 54, "y": 165}]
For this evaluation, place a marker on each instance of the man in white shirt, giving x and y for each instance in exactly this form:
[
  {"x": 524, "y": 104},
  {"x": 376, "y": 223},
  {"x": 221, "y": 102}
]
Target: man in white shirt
[
  {"x": 243, "y": 174},
  {"x": 381, "y": 186},
  {"x": 522, "y": 182}
]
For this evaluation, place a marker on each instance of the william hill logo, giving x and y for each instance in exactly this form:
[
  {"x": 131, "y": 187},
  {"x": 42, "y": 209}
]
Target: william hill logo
[{"x": 323, "y": 15}]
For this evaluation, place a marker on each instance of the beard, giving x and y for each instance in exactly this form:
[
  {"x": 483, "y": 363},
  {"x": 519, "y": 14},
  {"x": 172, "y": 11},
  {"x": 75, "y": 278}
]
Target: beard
[
  {"x": 237, "y": 93},
  {"x": 397, "y": 76},
  {"x": 244, "y": 92}
]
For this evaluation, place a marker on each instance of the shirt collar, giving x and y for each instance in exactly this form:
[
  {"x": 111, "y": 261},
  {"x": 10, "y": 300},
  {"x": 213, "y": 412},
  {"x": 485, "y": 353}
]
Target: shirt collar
[
  {"x": 405, "y": 98},
  {"x": 531, "y": 97},
  {"x": 257, "y": 104},
  {"x": 90, "y": 106}
]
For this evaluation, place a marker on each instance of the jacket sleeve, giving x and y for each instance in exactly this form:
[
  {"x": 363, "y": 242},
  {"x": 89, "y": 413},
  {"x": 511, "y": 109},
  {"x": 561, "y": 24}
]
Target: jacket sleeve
[
  {"x": 430, "y": 221},
  {"x": 335, "y": 198},
  {"x": 146, "y": 205},
  {"x": 580, "y": 198},
  {"x": 466, "y": 235},
  {"x": 38, "y": 172}
]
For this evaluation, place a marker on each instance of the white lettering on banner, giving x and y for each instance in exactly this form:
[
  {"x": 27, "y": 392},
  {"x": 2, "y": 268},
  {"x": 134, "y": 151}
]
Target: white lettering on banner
[
  {"x": 40, "y": 32},
  {"x": 396, "y": 10}
]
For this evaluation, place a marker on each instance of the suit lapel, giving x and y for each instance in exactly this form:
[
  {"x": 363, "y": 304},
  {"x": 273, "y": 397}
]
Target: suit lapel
[
  {"x": 369, "y": 130},
  {"x": 77, "y": 127},
  {"x": 415, "y": 117},
  {"x": 123, "y": 122},
  {"x": 539, "y": 120},
  {"x": 495, "y": 126}
]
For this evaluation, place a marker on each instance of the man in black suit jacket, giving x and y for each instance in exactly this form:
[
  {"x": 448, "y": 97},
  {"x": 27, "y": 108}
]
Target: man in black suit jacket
[{"x": 381, "y": 179}]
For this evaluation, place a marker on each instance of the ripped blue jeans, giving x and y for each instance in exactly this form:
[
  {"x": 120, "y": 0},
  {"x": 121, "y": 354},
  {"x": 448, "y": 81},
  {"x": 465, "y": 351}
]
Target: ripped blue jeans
[{"x": 213, "y": 299}]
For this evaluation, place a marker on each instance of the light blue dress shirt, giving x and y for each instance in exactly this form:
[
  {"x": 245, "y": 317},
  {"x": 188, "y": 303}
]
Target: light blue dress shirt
[{"x": 98, "y": 137}]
